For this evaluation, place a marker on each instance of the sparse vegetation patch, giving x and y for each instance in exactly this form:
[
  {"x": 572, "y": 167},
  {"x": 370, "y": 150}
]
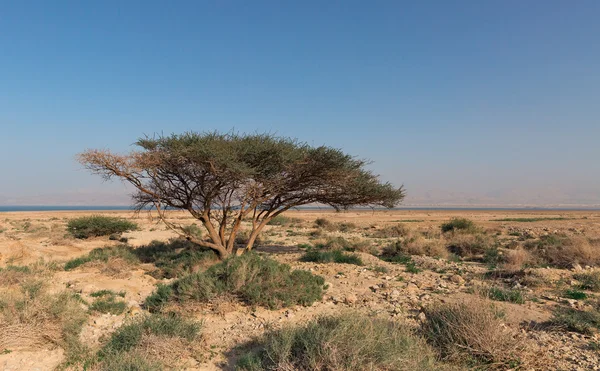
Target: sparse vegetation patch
[
  {"x": 254, "y": 279},
  {"x": 98, "y": 225},
  {"x": 343, "y": 342}
]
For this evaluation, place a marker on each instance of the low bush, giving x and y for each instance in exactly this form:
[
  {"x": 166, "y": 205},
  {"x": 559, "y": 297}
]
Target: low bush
[
  {"x": 583, "y": 321},
  {"x": 517, "y": 259},
  {"x": 193, "y": 230},
  {"x": 470, "y": 245},
  {"x": 332, "y": 256},
  {"x": 104, "y": 255},
  {"x": 502, "y": 294},
  {"x": 323, "y": 223},
  {"x": 254, "y": 279},
  {"x": 562, "y": 251},
  {"x": 459, "y": 224},
  {"x": 153, "y": 342},
  {"x": 33, "y": 317},
  {"x": 174, "y": 258},
  {"x": 105, "y": 301},
  {"x": 98, "y": 225},
  {"x": 588, "y": 281},
  {"x": 418, "y": 245},
  {"x": 574, "y": 294},
  {"x": 343, "y": 342},
  {"x": 391, "y": 231},
  {"x": 472, "y": 333}
]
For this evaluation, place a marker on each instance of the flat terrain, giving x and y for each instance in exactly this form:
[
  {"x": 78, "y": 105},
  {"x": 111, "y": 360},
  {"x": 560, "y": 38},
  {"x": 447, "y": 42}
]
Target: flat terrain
[{"x": 497, "y": 262}]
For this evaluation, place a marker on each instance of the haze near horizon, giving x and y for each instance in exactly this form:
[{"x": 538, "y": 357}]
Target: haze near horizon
[{"x": 465, "y": 103}]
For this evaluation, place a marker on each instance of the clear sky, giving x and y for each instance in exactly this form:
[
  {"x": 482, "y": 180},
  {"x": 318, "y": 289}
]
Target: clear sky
[{"x": 461, "y": 101}]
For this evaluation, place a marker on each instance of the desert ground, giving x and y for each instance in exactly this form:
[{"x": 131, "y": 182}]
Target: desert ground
[{"x": 536, "y": 268}]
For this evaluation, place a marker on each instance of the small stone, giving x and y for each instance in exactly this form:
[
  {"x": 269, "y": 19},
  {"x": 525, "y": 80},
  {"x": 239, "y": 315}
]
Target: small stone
[
  {"x": 457, "y": 279},
  {"x": 350, "y": 299}
]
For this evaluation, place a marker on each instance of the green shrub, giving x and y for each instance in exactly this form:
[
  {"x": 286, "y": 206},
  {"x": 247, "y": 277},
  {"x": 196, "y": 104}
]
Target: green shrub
[
  {"x": 174, "y": 258},
  {"x": 458, "y": 224},
  {"x": 193, "y": 230},
  {"x": 254, "y": 279},
  {"x": 343, "y": 342},
  {"x": 100, "y": 293},
  {"x": 125, "y": 348},
  {"x": 98, "y": 225},
  {"x": 585, "y": 322},
  {"x": 333, "y": 256},
  {"x": 108, "y": 304},
  {"x": 502, "y": 294},
  {"x": 575, "y": 294},
  {"x": 588, "y": 281},
  {"x": 104, "y": 254},
  {"x": 322, "y": 223}
]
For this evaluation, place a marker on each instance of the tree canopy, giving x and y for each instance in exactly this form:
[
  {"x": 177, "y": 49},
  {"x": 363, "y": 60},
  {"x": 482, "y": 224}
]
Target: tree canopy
[{"x": 222, "y": 179}]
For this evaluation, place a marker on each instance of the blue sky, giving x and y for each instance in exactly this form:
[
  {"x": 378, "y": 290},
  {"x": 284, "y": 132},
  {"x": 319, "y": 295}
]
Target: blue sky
[{"x": 462, "y": 101}]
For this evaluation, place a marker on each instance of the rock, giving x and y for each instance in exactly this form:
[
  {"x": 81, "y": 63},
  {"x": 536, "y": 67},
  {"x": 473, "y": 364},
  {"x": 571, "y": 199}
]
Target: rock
[
  {"x": 411, "y": 287},
  {"x": 422, "y": 317},
  {"x": 457, "y": 279},
  {"x": 350, "y": 299}
]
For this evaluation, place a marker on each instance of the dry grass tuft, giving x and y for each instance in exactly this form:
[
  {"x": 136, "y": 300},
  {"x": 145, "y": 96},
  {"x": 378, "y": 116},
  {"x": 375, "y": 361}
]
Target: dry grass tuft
[
  {"x": 342, "y": 342},
  {"x": 31, "y": 318},
  {"x": 472, "y": 332},
  {"x": 563, "y": 251},
  {"x": 515, "y": 260}
]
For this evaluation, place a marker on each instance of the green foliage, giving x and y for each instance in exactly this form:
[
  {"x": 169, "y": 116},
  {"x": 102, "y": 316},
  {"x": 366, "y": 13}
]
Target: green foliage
[
  {"x": 574, "y": 294},
  {"x": 502, "y": 294},
  {"x": 104, "y": 254},
  {"x": 174, "y": 258},
  {"x": 344, "y": 342},
  {"x": 394, "y": 253},
  {"x": 585, "y": 322},
  {"x": 458, "y": 224},
  {"x": 254, "y": 279},
  {"x": 108, "y": 304},
  {"x": 323, "y": 223},
  {"x": 100, "y": 293},
  {"x": 588, "y": 281},
  {"x": 130, "y": 335},
  {"x": 98, "y": 225},
  {"x": 193, "y": 230},
  {"x": 492, "y": 257},
  {"x": 215, "y": 171},
  {"x": 125, "y": 349},
  {"x": 332, "y": 256}
]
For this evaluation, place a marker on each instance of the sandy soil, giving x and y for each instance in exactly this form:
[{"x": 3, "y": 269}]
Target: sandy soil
[{"x": 28, "y": 237}]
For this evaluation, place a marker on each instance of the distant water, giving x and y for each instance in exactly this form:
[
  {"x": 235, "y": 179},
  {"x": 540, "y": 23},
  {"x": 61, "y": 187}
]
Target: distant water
[
  {"x": 116, "y": 208},
  {"x": 63, "y": 208}
]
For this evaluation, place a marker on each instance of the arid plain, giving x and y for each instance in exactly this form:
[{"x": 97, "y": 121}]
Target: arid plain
[{"x": 536, "y": 269}]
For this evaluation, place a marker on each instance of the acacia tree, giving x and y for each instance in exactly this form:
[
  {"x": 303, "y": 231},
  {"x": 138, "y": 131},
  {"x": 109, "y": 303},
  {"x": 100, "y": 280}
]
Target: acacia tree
[{"x": 223, "y": 179}]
